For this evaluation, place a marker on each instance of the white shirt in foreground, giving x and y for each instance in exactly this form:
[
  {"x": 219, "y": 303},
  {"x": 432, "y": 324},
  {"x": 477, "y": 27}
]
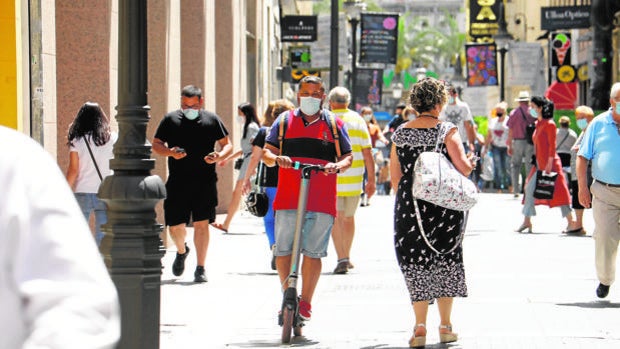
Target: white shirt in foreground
[{"x": 54, "y": 289}]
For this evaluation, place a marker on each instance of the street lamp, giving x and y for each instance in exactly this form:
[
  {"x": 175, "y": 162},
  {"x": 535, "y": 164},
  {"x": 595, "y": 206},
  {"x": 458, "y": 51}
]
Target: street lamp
[
  {"x": 502, "y": 39},
  {"x": 353, "y": 9},
  {"x": 131, "y": 248}
]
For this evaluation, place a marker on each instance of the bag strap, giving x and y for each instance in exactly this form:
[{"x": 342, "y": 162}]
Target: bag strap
[
  {"x": 562, "y": 142},
  {"x": 428, "y": 243},
  {"x": 332, "y": 122},
  {"x": 93, "y": 158},
  {"x": 282, "y": 129},
  {"x": 440, "y": 133},
  {"x": 259, "y": 176}
]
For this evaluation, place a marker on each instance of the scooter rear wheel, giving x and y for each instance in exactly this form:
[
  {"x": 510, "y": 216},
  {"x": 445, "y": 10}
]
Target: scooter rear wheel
[
  {"x": 297, "y": 330},
  {"x": 287, "y": 324}
]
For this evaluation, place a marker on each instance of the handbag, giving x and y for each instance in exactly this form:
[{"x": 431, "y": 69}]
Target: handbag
[
  {"x": 437, "y": 181},
  {"x": 545, "y": 185},
  {"x": 238, "y": 163},
  {"x": 257, "y": 201}
]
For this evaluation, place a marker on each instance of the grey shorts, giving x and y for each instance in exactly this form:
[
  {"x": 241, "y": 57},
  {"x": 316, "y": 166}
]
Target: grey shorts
[{"x": 316, "y": 230}]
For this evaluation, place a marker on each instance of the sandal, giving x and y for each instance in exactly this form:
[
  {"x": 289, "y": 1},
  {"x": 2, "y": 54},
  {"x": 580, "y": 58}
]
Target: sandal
[
  {"x": 446, "y": 335},
  {"x": 418, "y": 341},
  {"x": 220, "y": 227}
]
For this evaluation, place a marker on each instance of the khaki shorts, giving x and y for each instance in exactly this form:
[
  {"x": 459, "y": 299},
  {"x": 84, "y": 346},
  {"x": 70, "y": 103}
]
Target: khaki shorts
[{"x": 348, "y": 205}]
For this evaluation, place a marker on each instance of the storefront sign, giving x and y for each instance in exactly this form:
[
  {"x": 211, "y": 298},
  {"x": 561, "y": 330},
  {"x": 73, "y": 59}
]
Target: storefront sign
[
  {"x": 483, "y": 19},
  {"x": 298, "y": 28},
  {"x": 565, "y": 17}
]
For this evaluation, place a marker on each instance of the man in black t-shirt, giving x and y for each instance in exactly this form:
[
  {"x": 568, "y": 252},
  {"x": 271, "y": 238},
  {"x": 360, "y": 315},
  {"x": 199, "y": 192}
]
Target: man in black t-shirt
[{"x": 187, "y": 137}]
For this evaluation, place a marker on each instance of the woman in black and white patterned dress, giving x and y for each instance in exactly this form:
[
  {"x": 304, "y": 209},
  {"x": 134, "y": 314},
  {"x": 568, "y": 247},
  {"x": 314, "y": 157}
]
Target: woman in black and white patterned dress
[{"x": 428, "y": 275}]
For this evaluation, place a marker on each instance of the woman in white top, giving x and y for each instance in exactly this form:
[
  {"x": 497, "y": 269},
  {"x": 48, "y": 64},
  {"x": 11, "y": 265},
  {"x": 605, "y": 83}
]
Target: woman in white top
[
  {"x": 496, "y": 139},
  {"x": 90, "y": 128},
  {"x": 246, "y": 116}
]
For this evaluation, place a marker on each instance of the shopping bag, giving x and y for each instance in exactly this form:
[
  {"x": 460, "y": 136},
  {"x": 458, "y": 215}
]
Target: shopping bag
[{"x": 545, "y": 185}]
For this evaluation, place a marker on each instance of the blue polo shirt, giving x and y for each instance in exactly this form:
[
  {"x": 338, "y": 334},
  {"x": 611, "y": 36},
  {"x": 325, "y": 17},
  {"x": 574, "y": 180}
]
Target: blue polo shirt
[{"x": 601, "y": 145}]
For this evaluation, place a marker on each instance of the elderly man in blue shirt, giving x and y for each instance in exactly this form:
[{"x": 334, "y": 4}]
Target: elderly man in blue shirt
[{"x": 601, "y": 145}]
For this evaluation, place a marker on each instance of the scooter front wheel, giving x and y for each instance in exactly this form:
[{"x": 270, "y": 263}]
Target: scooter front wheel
[{"x": 288, "y": 316}]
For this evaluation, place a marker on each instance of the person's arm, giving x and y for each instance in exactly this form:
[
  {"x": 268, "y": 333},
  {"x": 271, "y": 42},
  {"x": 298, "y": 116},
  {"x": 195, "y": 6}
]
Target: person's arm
[
  {"x": 225, "y": 150},
  {"x": 395, "y": 172},
  {"x": 230, "y": 157},
  {"x": 464, "y": 163},
  {"x": 257, "y": 153},
  {"x": 509, "y": 142},
  {"x": 271, "y": 155},
  {"x": 369, "y": 163},
  {"x": 160, "y": 148},
  {"x": 471, "y": 134},
  {"x": 582, "y": 182},
  {"x": 552, "y": 135},
  {"x": 73, "y": 169}
]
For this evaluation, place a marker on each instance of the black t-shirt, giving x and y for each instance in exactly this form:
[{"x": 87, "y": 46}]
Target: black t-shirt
[
  {"x": 197, "y": 137},
  {"x": 270, "y": 174}
]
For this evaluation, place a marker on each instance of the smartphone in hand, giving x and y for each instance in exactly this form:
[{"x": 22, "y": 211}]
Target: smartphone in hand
[{"x": 180, "y": 150}]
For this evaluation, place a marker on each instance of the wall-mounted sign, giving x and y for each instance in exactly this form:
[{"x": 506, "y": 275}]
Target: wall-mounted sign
[
  {"x": 566, "y": 73},
  {"x": 483, "y": 19},
  {"x": 378, "y": 42},
  {"x": 561, "y": 49},
  {"x": 565, "y": 17},
  {"x": 300, "y": 56},
  {"x": 481, "y": 65},
  {"x": 298, "y": 28}
]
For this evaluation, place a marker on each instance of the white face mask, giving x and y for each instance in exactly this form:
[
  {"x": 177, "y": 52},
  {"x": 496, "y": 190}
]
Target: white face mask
[
  {"x": 367, "y": 117},
  {"x": 190, "y": 114},
  {"x": 241, "y": 119},
  {"x": 309, "y": 105}
]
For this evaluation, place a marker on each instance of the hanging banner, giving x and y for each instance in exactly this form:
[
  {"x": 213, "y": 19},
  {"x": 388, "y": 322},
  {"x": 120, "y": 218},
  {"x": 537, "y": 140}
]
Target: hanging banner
[
  {"x": 561, "y": 46},
  {"x": 483, "y": 19},
  {"x": 378, "y": 42},
  {"x": 367, "y": 86},
  {"x": 298, "y": 28},
  {"x": 481, "y": 65}
]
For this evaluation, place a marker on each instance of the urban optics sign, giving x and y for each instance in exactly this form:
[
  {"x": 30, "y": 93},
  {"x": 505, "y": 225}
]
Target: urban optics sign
[{"x": 566, "y": 17}]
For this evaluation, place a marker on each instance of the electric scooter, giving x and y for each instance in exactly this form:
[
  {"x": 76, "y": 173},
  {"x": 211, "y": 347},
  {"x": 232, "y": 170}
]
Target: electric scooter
[{"x": 289, "y": 317}]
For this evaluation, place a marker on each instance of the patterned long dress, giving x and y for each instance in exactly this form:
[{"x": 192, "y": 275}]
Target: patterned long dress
[{"x": 428, "y": 275}]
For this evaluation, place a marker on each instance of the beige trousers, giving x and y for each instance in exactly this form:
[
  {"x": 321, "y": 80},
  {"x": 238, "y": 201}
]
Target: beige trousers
[{"x": 606, "y": 213}]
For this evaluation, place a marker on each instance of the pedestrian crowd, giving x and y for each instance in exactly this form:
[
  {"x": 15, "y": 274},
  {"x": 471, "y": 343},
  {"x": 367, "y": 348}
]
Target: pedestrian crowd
[{"x": 523, "y": 152}]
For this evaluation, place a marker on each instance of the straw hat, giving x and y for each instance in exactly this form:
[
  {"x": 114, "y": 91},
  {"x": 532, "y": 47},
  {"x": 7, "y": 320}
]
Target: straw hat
[{"x": 523, "y": 96}]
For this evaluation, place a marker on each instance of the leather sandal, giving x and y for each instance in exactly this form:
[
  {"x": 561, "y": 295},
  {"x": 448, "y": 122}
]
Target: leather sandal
[
  {"x": 446, "y": 335},
  {"x": 220, "y": 227},
  {"x": 418, "y": 341}
]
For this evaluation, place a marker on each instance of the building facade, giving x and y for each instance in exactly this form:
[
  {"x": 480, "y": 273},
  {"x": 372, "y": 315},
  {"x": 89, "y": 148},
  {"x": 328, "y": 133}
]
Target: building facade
[{"x": 62, "y": 53}]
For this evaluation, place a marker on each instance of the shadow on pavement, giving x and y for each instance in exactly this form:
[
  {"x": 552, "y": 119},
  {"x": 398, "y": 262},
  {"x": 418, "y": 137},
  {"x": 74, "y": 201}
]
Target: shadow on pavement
[
  {"x": 299, "y": 341},
  {"x": 177, "y": 282},
  {"x": 592, "y": 305}
]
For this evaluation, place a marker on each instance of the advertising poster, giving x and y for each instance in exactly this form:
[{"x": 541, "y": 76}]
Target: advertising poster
[
  {"x": 481, "y": 65},
  {"x": 368, "y": 86},
  {"x": 379, "y": 39}
]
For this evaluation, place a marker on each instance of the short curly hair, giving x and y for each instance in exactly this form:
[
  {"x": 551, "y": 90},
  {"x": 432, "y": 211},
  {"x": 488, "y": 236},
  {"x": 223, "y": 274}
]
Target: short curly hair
[{"x": 427, "y": 93}]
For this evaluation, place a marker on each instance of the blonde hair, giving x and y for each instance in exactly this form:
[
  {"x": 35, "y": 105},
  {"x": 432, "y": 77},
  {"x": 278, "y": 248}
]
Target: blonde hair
[
  {"x": 585, "y": 110},
  {"x": 279, "y": 107}
]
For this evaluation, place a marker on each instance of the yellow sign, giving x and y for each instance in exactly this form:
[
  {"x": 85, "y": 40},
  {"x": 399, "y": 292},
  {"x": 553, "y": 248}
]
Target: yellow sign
[
  {"x": 566, "y": 73},
  {"x": 582, "y": 73}
]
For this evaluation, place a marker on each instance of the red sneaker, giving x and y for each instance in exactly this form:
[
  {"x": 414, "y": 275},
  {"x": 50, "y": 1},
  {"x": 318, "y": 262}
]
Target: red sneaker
[{"x": 305, "y": 310}]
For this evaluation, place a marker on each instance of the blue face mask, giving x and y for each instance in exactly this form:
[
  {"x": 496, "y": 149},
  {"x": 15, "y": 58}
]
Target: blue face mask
[
  {"x": 617, "y": 108},
  {"x": 533, "y": 113},
  {"x": 190, "y": 114},
  {"x": 582, "y": 123}
]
